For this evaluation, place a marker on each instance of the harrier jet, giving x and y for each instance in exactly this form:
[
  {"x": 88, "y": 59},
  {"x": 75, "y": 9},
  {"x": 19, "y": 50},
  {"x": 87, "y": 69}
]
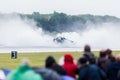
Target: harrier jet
[{"x": 61, "y": 40}]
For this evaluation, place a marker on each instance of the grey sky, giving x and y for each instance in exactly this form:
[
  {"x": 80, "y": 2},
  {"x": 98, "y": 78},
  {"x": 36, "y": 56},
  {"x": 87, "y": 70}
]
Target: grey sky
[{"x": 97, "y": 7}]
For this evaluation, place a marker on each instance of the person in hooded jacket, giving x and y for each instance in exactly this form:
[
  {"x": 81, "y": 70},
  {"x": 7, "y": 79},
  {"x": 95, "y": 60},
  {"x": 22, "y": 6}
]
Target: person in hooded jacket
[
  {"x": 24, "y": 72},
  {"x": 69, "y": 65}
]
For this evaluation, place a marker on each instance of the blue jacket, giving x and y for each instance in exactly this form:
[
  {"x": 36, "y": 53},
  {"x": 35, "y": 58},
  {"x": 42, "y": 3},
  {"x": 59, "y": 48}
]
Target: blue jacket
[
  {"x": 96, "y": 73},
  {"x": 112, "y": 71},
  {"x": 65, "y": 77},
  {"x": 91, "y": 72},
  {"x": 83, "y": 73}
]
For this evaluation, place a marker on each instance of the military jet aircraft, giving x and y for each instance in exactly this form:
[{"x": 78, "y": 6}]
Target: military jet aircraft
[{"x": 61, "y": 40}]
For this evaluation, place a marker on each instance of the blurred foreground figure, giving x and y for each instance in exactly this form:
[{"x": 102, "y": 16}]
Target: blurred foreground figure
[
  {"x": 110, "y": 55},
  {"x": 51, "y": 63},
  {"x": 2, "y": 75},
  {"x": 47, "y": 74},
  {"x": 88, "y": 54},
  {"x": 69, "y": 65},
  {"x": 103, "y": 60},
  {"x": 118, "y": 75},
  {"x": 24, "y": 72},
  {"x": 113, "y": 69},
  {"x": 90, "y": 71}
]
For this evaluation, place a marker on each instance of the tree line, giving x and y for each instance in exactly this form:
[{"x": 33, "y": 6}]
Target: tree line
[{"x": 61, "y": 22}]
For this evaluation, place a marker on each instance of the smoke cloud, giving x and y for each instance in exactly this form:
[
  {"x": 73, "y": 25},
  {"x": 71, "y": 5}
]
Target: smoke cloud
[
  {"x": 16, "y": 32},
  {"x": 99, "y": 36},
  {"x": 19, "y": 32}
]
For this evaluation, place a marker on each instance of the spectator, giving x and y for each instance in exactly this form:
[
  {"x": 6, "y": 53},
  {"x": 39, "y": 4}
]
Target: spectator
[
  {"x": 103, "y": 60},
  {"x": 102, "y": 64},
  {"x": 91, "y": 71},
  {"x": 6, "y": 71},
  {"x": 87, "y": 53},
  {"x": 65, "y": 77},
  {"x": 103, "y": 54},
  {"x": 118, "y": 75},
  {"x": 47, "y": 74},
  {"x": 50, "y": 63},
  {"x": 96, "y": 71},
  {"x": 110, "y": 55},
  {"x": 84, "y": 69},
  {"x": 2, "y": 75},
  {"x": 24, "y": 72},
  {"x": 70, "y": 67},
  {"x": 113, "y": 69}
]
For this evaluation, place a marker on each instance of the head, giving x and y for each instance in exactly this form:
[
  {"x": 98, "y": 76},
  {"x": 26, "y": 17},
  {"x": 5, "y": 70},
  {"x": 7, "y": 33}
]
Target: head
[
  {"x": 103, "y": 53},
  {"x": 68, "y": 58},
  {"x": 82, "y": 61},
  {"x": 118, "y": 58},
  {"x": 92, "y": 61},
  {"x": 87, "y": 48},
  {"x": 25, "y": 61},
  {"x": 50, "y": 61},
  {"x": 109, "y": 52}
]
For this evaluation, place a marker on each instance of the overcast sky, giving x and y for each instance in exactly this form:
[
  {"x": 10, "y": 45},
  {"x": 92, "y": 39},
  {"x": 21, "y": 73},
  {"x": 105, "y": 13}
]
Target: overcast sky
[{"x": 97, "y": 7}]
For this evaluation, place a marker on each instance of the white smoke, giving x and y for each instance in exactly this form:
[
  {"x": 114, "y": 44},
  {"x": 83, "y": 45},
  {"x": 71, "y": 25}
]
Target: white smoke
[
  {"x": 106, "y": 35},
  {"x": 15, "y": 31}
]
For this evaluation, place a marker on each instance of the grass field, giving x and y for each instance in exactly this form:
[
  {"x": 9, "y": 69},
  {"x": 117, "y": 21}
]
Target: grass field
[{"x": 37, "y": 58}]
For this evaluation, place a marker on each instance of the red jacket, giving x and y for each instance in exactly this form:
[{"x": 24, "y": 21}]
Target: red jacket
[{"x": 70, "y": 66}]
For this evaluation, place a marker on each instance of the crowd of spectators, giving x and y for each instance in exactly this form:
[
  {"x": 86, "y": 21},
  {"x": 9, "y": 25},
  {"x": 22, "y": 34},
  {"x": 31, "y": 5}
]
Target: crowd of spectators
[{"x": 88, "y": 67}]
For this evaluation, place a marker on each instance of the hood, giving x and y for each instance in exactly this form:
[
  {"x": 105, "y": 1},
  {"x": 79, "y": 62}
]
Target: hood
[
  {"x": 24, "y": 72},
  {"x": 68, "y": 58},
  {"x": 23, "y": 68}
]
